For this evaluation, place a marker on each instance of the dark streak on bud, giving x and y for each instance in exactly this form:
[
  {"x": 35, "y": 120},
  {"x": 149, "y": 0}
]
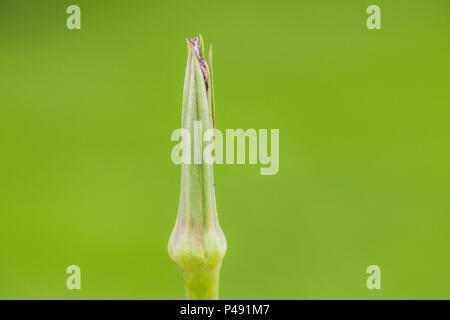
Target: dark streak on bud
[{"x": 202, "y": 62}]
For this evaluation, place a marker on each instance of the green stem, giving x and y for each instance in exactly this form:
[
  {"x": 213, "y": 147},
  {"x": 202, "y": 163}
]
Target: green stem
[{"x": 202, "y": 284}]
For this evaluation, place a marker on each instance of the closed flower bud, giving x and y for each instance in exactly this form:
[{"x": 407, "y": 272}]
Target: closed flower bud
[{"x": 197, "y": 243}]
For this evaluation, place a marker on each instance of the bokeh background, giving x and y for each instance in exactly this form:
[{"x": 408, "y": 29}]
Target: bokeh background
[{"x": 85, "y": 124}]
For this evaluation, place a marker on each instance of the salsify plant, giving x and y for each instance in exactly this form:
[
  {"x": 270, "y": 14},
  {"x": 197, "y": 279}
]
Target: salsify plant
[{"x": 197, "y": 243}]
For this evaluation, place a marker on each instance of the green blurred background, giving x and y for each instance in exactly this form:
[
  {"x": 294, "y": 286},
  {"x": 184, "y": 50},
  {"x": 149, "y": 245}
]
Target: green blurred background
[{"x": 85, "y": 123}]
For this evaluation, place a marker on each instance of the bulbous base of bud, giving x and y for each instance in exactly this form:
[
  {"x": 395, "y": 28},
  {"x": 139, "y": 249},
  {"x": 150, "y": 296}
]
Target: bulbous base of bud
[{"x": 200, "y": 260}]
